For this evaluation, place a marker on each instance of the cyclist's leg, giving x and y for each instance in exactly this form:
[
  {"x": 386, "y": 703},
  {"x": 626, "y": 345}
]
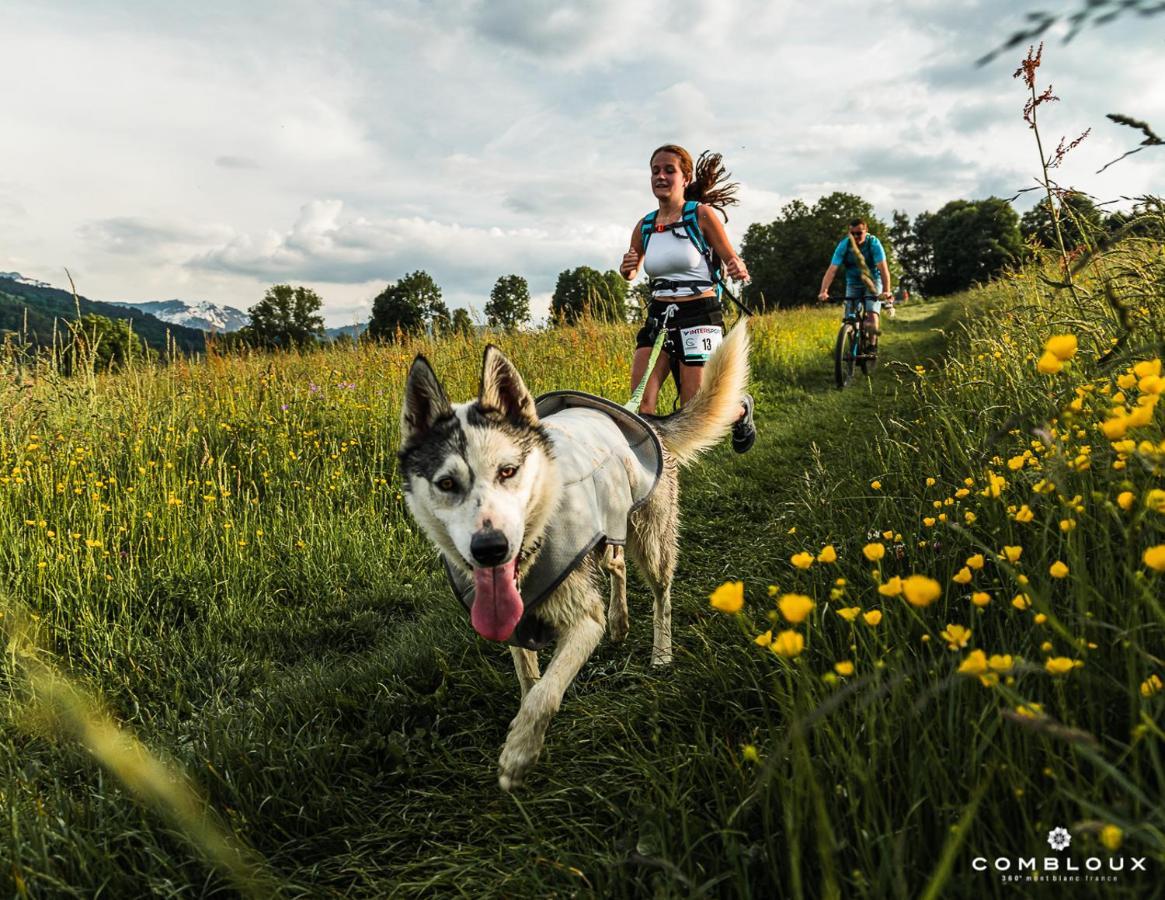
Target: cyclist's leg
[{"x": 873, "y": 321}]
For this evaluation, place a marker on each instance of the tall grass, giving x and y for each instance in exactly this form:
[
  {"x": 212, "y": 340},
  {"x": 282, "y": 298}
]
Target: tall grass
[
  {"x": 218, "y": 554},
  {"x": 195, "y": 539}
]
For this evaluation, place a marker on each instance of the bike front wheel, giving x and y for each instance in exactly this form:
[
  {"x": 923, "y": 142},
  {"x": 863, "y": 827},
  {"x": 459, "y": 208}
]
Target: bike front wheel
[{"x": 844, "y": 355}]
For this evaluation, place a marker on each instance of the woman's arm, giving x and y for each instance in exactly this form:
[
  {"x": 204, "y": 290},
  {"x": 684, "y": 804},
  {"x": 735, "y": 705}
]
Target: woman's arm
[
  {"x": 629, "y": 267},
  {"x": 717, "y": 237}
]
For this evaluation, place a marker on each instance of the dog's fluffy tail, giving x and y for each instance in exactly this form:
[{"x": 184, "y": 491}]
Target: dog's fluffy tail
[{"x": 709, "y": 415}]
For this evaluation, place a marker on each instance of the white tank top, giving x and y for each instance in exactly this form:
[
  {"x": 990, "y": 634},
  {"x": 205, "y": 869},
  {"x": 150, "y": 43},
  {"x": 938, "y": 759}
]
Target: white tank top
[{"x": 672, "y": 255}]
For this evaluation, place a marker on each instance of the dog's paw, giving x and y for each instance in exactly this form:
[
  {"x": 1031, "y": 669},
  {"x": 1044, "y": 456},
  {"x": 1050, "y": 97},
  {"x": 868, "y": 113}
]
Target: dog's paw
[
  {"x": 617, "y": 629},
  {"x": 515, "y": 762},
  {"x": 660, "y": 659}
]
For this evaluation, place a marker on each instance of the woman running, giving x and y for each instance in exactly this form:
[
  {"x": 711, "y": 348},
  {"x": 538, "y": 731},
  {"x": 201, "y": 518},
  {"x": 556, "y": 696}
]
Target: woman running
[{"x": 684, "y": 239}]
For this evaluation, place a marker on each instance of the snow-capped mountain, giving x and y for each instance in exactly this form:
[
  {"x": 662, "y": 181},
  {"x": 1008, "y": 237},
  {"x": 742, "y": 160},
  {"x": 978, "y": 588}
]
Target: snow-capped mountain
[
  {"x": 207, "y": 316},
  {"x": 20, "y": 279}
]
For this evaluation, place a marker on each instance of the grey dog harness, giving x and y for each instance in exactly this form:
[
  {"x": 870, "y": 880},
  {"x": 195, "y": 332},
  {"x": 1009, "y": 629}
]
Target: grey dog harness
[{"x": 609, "y": 461}]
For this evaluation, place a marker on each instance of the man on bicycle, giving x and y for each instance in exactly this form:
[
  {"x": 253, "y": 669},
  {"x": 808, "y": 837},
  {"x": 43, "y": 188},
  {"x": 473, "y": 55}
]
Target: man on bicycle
[{"x": 867, "y": 280}]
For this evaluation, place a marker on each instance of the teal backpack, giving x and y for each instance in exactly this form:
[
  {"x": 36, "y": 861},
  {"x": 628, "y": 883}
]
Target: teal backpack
[{"x": 690, "y": 224}]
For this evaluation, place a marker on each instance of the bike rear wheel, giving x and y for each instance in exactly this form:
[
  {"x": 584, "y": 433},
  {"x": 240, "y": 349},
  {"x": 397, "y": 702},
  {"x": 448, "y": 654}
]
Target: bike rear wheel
[{"x": 844, "y": 353}]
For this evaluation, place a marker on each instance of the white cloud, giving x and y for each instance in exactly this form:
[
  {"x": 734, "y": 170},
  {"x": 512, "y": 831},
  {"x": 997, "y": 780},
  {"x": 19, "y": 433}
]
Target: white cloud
[{"x": 206, "y": 151}]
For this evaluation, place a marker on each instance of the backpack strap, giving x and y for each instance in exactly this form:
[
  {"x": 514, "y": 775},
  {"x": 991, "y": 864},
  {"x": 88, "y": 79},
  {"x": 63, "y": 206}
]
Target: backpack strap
[{"x": 647, "y": 228}]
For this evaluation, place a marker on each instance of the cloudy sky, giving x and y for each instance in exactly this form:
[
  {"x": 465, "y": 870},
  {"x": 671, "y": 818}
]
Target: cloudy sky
[{"x": 206, "y": 151}]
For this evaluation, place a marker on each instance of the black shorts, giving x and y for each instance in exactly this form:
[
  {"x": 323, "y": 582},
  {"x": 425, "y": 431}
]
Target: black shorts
[{"x": 704, "y": 312}]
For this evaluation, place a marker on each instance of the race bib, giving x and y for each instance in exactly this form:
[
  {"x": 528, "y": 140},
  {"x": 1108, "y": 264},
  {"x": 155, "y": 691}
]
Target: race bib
[{"x": 700, "y": 340}]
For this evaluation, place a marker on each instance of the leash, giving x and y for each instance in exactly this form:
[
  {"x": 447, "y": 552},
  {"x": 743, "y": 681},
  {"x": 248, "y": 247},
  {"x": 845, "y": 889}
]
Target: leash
[{"x": 632, "y": 405}]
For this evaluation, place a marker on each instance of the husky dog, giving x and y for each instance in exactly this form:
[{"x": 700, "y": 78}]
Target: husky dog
[{"x": 486, "y": 482}]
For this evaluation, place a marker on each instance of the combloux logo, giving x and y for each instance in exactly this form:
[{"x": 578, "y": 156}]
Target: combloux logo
[{"x": 1056, "y": 868}]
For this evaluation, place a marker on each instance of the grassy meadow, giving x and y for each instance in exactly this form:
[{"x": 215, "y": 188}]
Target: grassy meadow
[{"x": 943, "y": 636}]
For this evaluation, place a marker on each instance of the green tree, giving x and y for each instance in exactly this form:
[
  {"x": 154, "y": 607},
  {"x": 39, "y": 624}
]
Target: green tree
[
  {"x": 914, "y": 258},
  {"x": 509, "y": 303},
  {"x": 969, "y": 241},
  {"x": 101, "y": 344},
  {"x": 411, "y": 306},
  {"x": 286, "y": 317},
  {"x": 461, "y": 323},
  {"x": 584, "y": 290},
  {"x": 639, "y": 300},
  {"x": 1080, "y": 222},
  {"x": 787, "y": 257}
]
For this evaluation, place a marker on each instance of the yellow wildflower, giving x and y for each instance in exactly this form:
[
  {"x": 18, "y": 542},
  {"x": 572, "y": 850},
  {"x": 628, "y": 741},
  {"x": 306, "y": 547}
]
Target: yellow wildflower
[
  {"x": 849, "y": 613},
  {"x": 928, "y": 521},
  {"x": 1049, "y": 364},
  {"x": 920, "y": 590},
  {"x": 795, "y": 607},
  {"x": 873, "y": 617},
  {"x": 980, "y": 598},
  {"x": 891, "y": 588},
  {"x": 876, "y": 485},
  {"x": 1021, "y": 601},
  {"x": 788, "y": 644},
  {"x": 802, "y": 560},
  {"x": 1111, "y": 836},
  {"x": 1154, "y": 558},
  {"x": 1151, "y": 384},
  {"x": 1059, "y": 665},
  {"x": 1151, "y": 685},
  {"x": 956, "y": 636},
  {"x": 874, "y": 552},
  {"x": 963, "y": 576},
  {"x": 827, "y": 555},
  {"x": 1147, "y": 367},
  {"x": 930, "y": 482},
  {"x": 729, "y": 597},
  {"x": 1031, "y": 710},
  {"x": 1058, "y": 569},
  {"x": 1155, "y": 500},
  {"x": 1001, "y": 662},
  {"x": 1061, "y": 346},
  {"x": 763, "y": 640},
  {"x": 975, "y": 562},
  {"x": 1011, "y": 554},
  {"x": 975, "y": 664},
  {"x": 845, "y": 668}
]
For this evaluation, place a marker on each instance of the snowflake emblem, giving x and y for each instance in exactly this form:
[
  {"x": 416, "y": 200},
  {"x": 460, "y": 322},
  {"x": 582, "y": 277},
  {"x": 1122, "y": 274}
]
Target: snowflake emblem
[{"x": 1059, "y": 838}]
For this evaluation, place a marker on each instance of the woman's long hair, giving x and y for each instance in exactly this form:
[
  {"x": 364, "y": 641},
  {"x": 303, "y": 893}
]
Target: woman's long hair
[{"x": 708, "y": 178}]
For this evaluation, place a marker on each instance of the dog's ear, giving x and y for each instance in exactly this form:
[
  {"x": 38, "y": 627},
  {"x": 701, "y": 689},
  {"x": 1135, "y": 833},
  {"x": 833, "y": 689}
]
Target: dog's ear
[
  {"x": 502, "y": 388},
  {"x": 425, "y": 401}
]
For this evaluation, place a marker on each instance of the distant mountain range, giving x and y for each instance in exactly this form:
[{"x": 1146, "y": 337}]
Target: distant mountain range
[
  {"x": 35, "y": 310},
  {"x": 186, "y": 322},
  {"x": 204, "y": 316}
]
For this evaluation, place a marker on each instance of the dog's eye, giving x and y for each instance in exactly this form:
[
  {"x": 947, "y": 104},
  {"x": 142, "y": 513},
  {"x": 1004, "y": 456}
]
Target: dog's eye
[
  {"x": 505, "y": 473},
  {"x": 446, "y": 484}
]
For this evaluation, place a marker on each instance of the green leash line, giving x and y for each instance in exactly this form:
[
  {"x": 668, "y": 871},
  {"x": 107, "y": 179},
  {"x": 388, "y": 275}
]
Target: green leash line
[{"x": 632, "y": 405}]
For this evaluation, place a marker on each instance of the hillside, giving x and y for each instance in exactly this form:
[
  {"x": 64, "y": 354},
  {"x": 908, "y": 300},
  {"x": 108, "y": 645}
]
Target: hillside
[{"x": 37, "y": 306}]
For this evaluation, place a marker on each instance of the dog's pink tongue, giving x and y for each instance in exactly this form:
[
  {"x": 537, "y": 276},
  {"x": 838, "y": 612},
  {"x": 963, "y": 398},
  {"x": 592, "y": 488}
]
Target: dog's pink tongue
[{"x": 497, "y": 605}]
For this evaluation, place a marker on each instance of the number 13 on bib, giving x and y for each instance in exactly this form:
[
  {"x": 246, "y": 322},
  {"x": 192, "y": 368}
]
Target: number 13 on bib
[{"x": 700, "y": 340}]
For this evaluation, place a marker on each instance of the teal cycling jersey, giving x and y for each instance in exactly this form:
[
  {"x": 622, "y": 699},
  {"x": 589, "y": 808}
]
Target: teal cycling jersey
[{"x": 873, "y": 252}]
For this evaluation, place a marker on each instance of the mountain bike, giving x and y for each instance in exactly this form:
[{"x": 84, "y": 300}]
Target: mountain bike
[{"x": 853, "y": 347}]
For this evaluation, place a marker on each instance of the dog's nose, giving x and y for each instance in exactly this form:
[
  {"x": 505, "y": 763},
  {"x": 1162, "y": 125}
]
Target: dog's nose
[{"x": 489, "y": 547}]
